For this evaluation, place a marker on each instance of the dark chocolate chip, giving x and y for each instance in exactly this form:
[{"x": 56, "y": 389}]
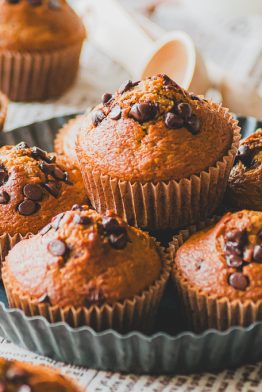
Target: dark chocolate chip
[
  {"x": 234, "y": 261},
  {"x": 118, "y": 241},
  {"x": 173, "y": 121},
  {"x": 38, "y": 153},
  {"x": 168, "y": 81},
  {"x": 59, "y": 174},
  {"x": 53, "y": 187},
  {"x": 238, "y": 236},
  {"x": 125, "y": 86},
  {"x": 35, "y": 3},
  {"x": 184, "y": 110},
  {"x": 27, "y": 207},
  {"x": 115, "y": 113},
  {"x": 257, "y": 255},
  {"x": 106, "y": 98},
  {"x": 112, "y": 226},
  {"x": 4, "y": 197},
  {"x": 82, "y": 220},
  {"x": 193, "y": 124},
  {"x": 248, "y": 255},
  {"x": 244, "y": 155},
  {"x": 3, "y": 176},
  {"x": 56, "y": 220},
  {"x": 33, "y": 192},
  {"x": 195, "y": 97},
  {"x": 239, "y": 281},
  {"x": 97, "y": 117},
  {"x": 15, "y": 374},
  {"x": 47, "y": 168},
  {"x": 21, "y": 146},
  {"x": 46, "y": 229},
  {"x": 57, "y": 248},
  {"x": 54, "y": 4},
  {"x": 233, "y": 248},
  {"x": 143, "y": 112}
]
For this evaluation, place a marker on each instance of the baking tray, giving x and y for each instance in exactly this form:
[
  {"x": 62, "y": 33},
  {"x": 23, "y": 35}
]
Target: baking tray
[{"x": 169, "y": 350}]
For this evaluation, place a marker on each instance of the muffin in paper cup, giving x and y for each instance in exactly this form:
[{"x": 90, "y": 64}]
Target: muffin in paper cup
[
  {"x": 39, "y": 60},
  {"x": 3, "y": 110},
  {"x": 163, "y": 173},
  {"x": 110, "y": 297},
  {"x": 220, "y": 292}
]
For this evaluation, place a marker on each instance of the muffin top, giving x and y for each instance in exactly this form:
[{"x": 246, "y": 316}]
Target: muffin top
[
  {"x": 23, "y": 377},
  {"x": 153, "y": 130},
  {"x": 245, "y": 181},
  {"x": 34, "y": 186},
  {"x": 226, "y": 260},
  {"x": 83, "y": 259},
  {"x": 38, "y": 25}
]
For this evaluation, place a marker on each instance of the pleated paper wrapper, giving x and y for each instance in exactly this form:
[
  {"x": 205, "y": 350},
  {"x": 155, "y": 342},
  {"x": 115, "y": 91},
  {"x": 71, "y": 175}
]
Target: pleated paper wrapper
[
  {"x": 203, "y": 311},
  {"x": 163, "y": 205}
]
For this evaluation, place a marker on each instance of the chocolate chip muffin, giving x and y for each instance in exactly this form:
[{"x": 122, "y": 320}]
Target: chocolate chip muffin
[
  {"x": 245, "y": 182},
  {"x": 218, "y": 272},
  {"x": 88, "y": 269},
  {"x": 40, "y": 46},
  {"x": 18, "y": 376},
  {"x": 34, "y": 186},
  {"x": 150, "y": 147}
]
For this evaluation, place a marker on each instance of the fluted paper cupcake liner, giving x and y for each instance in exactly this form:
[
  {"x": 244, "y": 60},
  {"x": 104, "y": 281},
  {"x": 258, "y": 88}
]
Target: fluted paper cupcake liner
[
  {"x": 164, "y": 205},
  {"x": 137, "y": 313},
  {"x": 35, "y": 76},
  {"x": 3, "y": 110},
  {"x": 203, "y": 311}
]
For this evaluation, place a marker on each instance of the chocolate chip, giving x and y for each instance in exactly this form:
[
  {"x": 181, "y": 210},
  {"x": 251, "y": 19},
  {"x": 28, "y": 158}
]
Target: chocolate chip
[
  {"x": 82, "y": 220},
  {"x": 33, "y": 192},
  {"x": 21, "y": 146},
  {"x": 184, "y": 110},
  {"x": 143, "y": 112},
  {"x": 112, "y": 226},
  {"x": 193, "y": 124},
  {"x": 27, "y": 207},
  {"x": 238, "y": 236},
  {"x": 35, "y": 3},
  {"x": 4, "y": 197},
  {"x": 115, "y": 113},
  {"x": 238, "y": 280},
  {"x": 77, "y": 207},
  {"x": 46, "y": 168},
  {"x": 45, "y": 229},
  {"x": 53, "y": 187},
  {"x": 15, "y": 374},
  {"x": 106, "y": 98},
  {"x": 248, "y": 255},
  {"x": 233, "y": 248},
  {"x": 118, "y": 241},
  {"x": 257, "y": 255},
  {"x": 54, "y": 4},
  {"x": 56, "y": 220},
  {"x": 57, "y": 248},
  {"x": 234, "y": 261},
  {"x": 97, "y": 117},
  {"x": 59, "y": 174},
  {"x": 195, "y": 97},
  {"x": 125, "y": 86},
  {"x": 168, "y": 81},
  {"x": 3, "y": 176},
  {"x": 259, "y": 234},
  {"x": 38, "y": 153},
  {"x": 244, "y": 155},
  {"x": 173, "y": 121},
  {"x": 43, "y": 299}
]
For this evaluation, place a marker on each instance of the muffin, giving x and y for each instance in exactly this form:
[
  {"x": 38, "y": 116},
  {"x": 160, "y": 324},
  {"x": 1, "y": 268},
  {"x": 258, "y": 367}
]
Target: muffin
[
  {"x": 88, "y": 269},
  {"x": 24, "y": 377},
  {"x": 34, "y": 186},
  {"x": 157, "y": 155},
  {"x": 218, "y": 272},
  {"x": 65, "y": 140},
  {"x": 245, "y": 182},
  {"x": 3, "y": 110},
  {"x": 40, "y": 47}
]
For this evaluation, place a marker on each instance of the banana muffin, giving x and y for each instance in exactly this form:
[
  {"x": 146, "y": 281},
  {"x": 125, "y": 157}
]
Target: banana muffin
[
  {"x": 40, "y": 45},
  {"x": 16, "y": 376},
  {"x": 245, "y": 182},
  {"x": 218, "y": 272},
  {"x": 150, "y": 147},
  {"x": 88, "y": 269}
]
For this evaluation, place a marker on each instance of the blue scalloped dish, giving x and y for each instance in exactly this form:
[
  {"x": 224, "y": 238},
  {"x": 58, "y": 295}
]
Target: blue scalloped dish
[{"x": 169, "y": 350}]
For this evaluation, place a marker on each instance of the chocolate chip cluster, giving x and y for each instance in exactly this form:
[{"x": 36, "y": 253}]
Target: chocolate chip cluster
[
  {"x": 53, "y": 4},
  {"x": 181, "y": 115},
  {"x": 14, "y": 378},
  {"x": 246, "y": 155},
  {"x": 33, "y": 193},
  {"x": 239, "y": 252}
]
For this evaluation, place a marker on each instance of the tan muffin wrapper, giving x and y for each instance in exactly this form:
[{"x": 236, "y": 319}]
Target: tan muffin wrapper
[
  {"x": 3, "y": 110},
  {"x": 164, "y": 205},
  {"x": 203, "y": 311},
  {"x": 38, "y": 76},
  {"x": 137, "y": 313}
]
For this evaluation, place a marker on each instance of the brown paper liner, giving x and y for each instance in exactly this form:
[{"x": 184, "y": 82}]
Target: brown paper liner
[
  {"x": 203, "y": 311},
  {"x": 164, "y": 205},
  {"x": 38, "y": 76},
  {"x": 132, "y": 314},
  {"x": 3, "y": 110}
]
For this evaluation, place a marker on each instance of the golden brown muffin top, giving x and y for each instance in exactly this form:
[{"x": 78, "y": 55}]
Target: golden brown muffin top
[
  {"x": 245, "y": 181},
  {"x": 226, "y": 260},
  {"x": 153, "y": 130},
  {"x": 83, "y": 259},
  {"x": 16, "y": 376},
  {"x": 34, "y": 186},
  {"x": 38, "y": 25}
]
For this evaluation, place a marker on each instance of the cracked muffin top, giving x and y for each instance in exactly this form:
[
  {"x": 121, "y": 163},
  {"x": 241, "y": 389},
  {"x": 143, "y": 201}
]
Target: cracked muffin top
[
  {"x": 245, "y": 181},
  {"x": 16, "y": 376},
  {"x": 83, "y": 258},
  {"x": 34, "y": 186},
  {"x": 153, "y": 130},
  {"x": 38, "y": 25},
  {"x": 225, "y": 260}
]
